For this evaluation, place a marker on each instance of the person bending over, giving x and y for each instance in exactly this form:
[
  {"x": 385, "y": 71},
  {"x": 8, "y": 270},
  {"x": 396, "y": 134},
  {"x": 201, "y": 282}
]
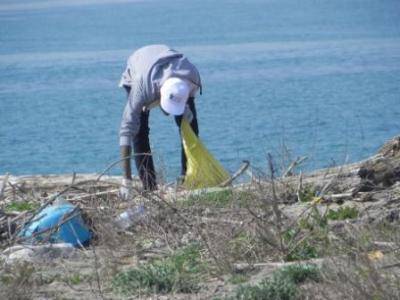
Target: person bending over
[{"x": 155, "y": 75}]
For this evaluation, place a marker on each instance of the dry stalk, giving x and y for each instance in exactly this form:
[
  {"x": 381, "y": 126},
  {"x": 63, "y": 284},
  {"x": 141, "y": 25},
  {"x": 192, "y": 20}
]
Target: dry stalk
[
  {"x": 96, "y": 267},
  {"x": 299, "y": 187},
  {"x": 275, "y": 207}
]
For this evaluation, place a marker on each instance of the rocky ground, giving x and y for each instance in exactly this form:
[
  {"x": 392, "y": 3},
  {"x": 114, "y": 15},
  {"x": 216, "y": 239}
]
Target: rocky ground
[{"x": 329, "y": 234}]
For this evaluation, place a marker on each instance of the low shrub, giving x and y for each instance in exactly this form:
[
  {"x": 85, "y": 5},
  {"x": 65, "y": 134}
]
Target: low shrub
[
  {"x": 238, "y": 278},
  {"x": 177, "y": 273},
  {"x": 281, "y": 286},
  {"x": 342, "y": 213},
  {"x": 300, "y": 273},
  {"x": 301, "y": 251}
]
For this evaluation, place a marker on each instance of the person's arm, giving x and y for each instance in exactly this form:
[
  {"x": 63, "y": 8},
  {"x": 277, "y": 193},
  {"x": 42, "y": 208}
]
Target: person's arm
[
  {"x": 130, "y": 124},
  {"x": 126, "y": 163},
  {"x": 125, "y": 191}
]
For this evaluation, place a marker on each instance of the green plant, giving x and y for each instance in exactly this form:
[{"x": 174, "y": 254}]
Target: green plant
[
  {"x": 301, "y": 250},
  {"x": 307, "y": 194},
  {"x": 219, "y": 199},
  {"x": 21, "y": 206},
  {"x": 317, "y": 220},
  {"x": 281, "y": 286},
  {"x": 241, "y": 246},
  {"x": 215, "y": 199},
  {"x": 75, "y": 279},
  {"x": 179, "y": 273},
  {"x": 300, "y": 273},
  {"x": 278, "y": 290},
  {"x": 342, "y": 213},
  {"x": 238, "y": 278}
]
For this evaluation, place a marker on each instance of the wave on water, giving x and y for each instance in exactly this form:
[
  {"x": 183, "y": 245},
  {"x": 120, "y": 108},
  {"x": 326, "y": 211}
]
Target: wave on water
[
  {"x": 238, "y": 61},
  {"x": 12, "y": 6}
]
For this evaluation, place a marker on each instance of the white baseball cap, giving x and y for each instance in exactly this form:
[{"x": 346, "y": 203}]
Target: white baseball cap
[{"x": 174, "y": 95}]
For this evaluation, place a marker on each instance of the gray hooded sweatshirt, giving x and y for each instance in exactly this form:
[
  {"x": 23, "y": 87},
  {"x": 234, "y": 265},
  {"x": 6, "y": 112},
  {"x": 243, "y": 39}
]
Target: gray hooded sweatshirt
[{"x": 146, "y": 71}]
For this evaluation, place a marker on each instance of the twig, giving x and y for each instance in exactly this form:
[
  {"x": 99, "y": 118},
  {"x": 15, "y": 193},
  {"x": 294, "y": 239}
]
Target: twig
[
  {"x": 91, "y": 195},
  {"x": 391, "y": 266},
  {"x": 9, "y": 227},
  {"x": 96, "y": 267},
  {"x": 329, "y": 183},
  {"x": 118, "y": 161},
  {"x": 235, "y": 175},
  {"x": 299, "y": 187},
  {"x": 293, "y": 165},
  {"x": 219, "y": 220},
  {"x": 19, "y": 216},
  {"x": 275, "y": 207},
  {"x": 16, "y": 187}
]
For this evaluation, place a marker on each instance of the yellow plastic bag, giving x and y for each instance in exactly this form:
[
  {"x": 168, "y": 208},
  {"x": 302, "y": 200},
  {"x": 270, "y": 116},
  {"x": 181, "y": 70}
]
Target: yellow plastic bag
[{"x": 202, "y": 169}]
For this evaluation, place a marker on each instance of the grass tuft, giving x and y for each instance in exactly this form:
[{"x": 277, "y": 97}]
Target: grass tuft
[
  {"x": 307, "y": 194},
  {"x": 21, "y": 206},
  {"x": 302, "y": 251},
  {"x": 281, "y": 286},
  {"x": 342, "y": 213},
  {"x": 177, "y": 273},
  {"x": 220, "y": 199}
]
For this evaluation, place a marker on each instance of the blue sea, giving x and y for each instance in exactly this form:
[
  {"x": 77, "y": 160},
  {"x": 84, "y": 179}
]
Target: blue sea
[{"x": 315, "y": 78}]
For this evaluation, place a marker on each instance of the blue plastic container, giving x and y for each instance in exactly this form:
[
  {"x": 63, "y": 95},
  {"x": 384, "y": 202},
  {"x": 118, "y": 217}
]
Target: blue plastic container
[{"x": 72, "y": 231}]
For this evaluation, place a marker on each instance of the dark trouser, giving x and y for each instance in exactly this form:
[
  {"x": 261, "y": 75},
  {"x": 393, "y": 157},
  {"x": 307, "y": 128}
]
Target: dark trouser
[{"x": 144, "y": 162}]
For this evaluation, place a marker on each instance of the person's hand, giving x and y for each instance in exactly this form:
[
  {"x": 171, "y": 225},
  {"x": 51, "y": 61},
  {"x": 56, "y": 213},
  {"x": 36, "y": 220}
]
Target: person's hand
[
  {"x": 188, "y": 115},
  {"x": 125, "y": 191}
]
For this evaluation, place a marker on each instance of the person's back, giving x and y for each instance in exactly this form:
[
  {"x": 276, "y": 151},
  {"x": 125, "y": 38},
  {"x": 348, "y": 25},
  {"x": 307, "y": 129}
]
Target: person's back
[
  {"x": 149, "y": 67},
  {"x": 142, "y": 60}
]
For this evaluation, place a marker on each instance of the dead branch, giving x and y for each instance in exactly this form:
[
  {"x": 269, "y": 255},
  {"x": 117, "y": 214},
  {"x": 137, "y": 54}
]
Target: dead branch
[
  {"x": 293, "y": 165},
  {"x": 235, "y": 175}
]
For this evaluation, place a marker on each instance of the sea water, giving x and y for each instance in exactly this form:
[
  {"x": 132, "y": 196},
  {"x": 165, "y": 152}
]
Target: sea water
[{"x": 315, "y": 78}]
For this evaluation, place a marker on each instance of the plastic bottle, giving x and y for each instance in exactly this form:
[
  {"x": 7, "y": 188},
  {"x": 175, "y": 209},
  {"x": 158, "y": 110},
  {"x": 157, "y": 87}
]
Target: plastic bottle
[{"x": 130, "y": 217}]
